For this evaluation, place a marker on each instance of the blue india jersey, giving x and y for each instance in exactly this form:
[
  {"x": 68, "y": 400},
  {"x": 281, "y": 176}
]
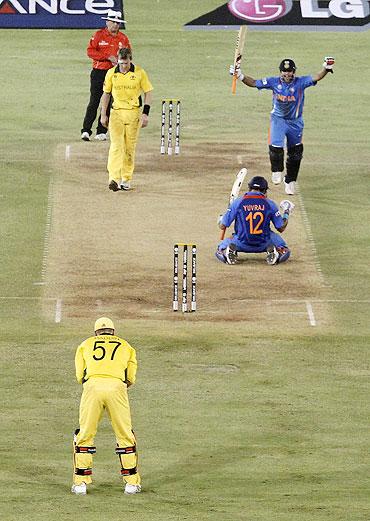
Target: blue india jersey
[
  {"x": 253, "y": 212},
  {"x": 287, "y": 98}
]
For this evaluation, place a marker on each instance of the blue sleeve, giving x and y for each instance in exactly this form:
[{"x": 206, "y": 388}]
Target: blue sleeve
[
  {"x": 307, "y": 81},
  {"x": 276, "y": 216},
  {"x": 265, "y": 83},
  {"x": 230, "y": 214}
]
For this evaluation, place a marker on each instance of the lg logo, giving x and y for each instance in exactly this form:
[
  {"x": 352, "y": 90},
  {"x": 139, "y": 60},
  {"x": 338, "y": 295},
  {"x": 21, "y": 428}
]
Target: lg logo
[
  {"x": 270, "y": 10},
  {"x": 259, "y": 10}
]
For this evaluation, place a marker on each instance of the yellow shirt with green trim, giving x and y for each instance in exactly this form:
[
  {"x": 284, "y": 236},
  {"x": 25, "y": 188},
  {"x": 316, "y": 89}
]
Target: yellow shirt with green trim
[
  {"x": 106, "y": 356},
  {"x": 126, "y": 88}
]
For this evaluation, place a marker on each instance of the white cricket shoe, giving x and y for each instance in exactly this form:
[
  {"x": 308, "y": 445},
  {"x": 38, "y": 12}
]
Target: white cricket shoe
[
  {"x": 101, "y": 137},
  {"x": 290, "y": 188},
  {"x": 276, "y": 177},
  {"x": 272, "y": 255},
  {"x": 231, "y": 255},
  {"x": 80, "y": 490},
  {"x": 132, "y": 489},
  {"x": 125, "y": 185},
  {"x": 85, "y": 136}
]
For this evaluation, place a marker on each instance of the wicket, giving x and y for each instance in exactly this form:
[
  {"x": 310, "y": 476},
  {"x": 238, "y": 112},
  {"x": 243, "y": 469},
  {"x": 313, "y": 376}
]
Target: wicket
[
  {"x": 170, "y": 103},
  {"x": 184, "y": 306}
]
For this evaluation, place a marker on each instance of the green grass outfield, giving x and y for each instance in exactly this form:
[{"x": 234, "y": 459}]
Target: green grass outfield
[{"x": 231, "y": 425}]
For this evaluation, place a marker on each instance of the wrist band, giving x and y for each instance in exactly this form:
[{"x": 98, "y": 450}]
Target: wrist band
[
  {"x": 146, "y": 109},
  {"x": 286, "y": 216}
]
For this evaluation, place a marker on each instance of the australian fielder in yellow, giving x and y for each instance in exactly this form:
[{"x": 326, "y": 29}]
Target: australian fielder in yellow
[
  {"x": 125, "y": 83},
  {"x": 106, "y": 366}
]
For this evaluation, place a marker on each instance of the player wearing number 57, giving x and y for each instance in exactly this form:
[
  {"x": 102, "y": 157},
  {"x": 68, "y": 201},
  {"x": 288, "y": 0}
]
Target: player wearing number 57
[{"x": 105, "y": 366}]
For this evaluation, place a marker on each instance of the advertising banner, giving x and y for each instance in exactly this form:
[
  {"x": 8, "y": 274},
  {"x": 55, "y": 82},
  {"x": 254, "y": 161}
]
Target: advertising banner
[
  {"x": 287, "y": 15},
  {"x": 55, "y": 14}
]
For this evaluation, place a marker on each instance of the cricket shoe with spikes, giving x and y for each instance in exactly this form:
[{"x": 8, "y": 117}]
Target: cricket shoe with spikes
[
  {"x": 272, "y": 255},
  {"x": 125, "y": 185},
  {"x": 101, "y": 137},
  {"x": 113, "y": 186},
  {"x": 132, "y": 489},
  {"x": 276, "y": 177},
  {"x": 220, "y": 256},
  {"x": 79, "y": 490},
  {"x": 231, "y": 254},
  {"x": 290, "y": 187}
]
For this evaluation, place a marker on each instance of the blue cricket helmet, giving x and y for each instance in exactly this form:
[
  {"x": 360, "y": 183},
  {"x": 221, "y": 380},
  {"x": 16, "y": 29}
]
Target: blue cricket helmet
[{"x": 258, "y": 183}]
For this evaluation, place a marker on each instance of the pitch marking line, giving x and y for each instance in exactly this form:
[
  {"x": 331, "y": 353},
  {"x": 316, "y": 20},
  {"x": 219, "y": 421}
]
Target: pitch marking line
[
  {"x": 311, "y": 240},
  {"x": 262, "y": 302},
  {"x": 311, "y": 316},
  {"x": 58, "y": 311},
  {"x": 67, "y": 153},
  {"x": 47, "y": 230}
]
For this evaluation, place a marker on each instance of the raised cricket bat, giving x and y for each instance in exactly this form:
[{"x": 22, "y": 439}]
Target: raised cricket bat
[
  {"x": 240, "y": 41},
  {"x": 240, "y": 176}
]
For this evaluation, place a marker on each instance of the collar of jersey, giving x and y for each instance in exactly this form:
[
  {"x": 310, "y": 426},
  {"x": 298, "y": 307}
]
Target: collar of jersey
[
  {"x": 250, "y": 195},
  {"x": 131, "y": 69}
]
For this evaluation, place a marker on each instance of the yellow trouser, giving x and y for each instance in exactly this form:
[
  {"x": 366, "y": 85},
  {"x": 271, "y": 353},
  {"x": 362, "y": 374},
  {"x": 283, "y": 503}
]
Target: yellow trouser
[
  {"x": 124, "y": 128},
  {"x": 100, "y": 394}
]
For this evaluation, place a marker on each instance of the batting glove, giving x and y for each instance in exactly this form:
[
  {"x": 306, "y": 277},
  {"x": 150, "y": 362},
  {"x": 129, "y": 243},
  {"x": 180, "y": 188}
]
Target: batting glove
[
  {"x": 328, "y": 63},
  {"x": 236, "y": 71},
  {"x": 286, "y": 207},
  {"x": 219, "y": 219}
]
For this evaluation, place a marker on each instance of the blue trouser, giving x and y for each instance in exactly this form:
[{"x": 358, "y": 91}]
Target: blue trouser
[
  {"x": 280, "y": 128},
  {"x": 275, "y": 239}
]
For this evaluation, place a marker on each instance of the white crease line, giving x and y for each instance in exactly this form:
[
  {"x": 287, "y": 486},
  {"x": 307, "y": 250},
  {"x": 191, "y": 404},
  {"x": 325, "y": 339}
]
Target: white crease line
[
  {"x": 58, "y": 311},
  {"x": 261, "y": 302},
  {"x": 67, "y": 154},
  {"x": 47, "y": 230},
  {"x": 239, "y": 158},
  {"x": 311, "y": 240},
  {"x": 311, "y": 315}
]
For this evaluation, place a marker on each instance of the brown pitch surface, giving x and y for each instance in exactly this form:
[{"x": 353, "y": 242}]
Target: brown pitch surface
[{"x": 112, "y": 253}]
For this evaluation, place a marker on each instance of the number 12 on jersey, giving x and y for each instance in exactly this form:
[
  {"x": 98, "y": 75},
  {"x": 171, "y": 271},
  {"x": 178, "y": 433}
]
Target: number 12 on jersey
[{"x": 255, "y": 220}]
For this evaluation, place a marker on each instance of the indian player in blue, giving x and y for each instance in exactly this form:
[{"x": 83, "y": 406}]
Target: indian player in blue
[
  {"x": 252, "y": 214},
  {"x": 286, "y": 121}
]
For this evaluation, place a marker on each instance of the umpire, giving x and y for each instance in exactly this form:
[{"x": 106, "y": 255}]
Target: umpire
[
  {"x": 106, "y": 366},
  {"x": 102, "y": 49}
]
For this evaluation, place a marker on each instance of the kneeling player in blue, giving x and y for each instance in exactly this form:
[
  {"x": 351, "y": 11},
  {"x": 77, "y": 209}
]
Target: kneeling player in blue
[{"x": 252, "y": 214}]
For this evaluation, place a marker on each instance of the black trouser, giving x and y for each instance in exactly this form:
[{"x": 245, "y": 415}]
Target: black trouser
[{"x": 96, "y": 90}]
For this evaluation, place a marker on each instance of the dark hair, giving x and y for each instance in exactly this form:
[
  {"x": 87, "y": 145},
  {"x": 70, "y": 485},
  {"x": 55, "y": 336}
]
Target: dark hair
[{"x": 124, "y": 53}]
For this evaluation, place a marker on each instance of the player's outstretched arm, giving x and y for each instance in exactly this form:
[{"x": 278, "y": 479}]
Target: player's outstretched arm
[
  {"x": 327, "y": 66},
  {"x": 247, "y": 80}
]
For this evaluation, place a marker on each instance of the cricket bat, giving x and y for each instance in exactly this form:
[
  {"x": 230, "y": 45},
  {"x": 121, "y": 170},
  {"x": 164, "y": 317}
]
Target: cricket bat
[
  {"x": 240, "y": 176},
  {"x": 240, "y": 41}
]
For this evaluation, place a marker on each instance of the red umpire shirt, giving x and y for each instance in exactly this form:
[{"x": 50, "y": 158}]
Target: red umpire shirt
[{"x": 102, "y": 45}]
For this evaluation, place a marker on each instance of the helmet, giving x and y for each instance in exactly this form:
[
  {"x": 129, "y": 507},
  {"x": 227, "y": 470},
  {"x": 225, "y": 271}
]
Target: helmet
[
  {"x": 287, "y": 65},
  {"x": 258, "y": 183},
  {"x": 103, "y": 323}
]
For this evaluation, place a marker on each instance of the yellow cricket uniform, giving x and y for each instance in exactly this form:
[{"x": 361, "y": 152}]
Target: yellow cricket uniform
[
  {"x": 124, "y": 120},
  {"x": 106, "y": 365}
]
